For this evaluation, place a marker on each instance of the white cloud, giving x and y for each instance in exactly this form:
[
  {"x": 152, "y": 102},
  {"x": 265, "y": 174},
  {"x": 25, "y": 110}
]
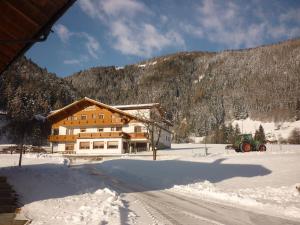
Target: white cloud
[
  {"x": 131, "y": 32},
  {"x": 143, "y": 39},
  {"x": 234, "y": 26},
  {"x": 90, "y": 42},
  {"x": 117, "y": 7},
  {"x": 92, "y": 45},
  {"x": 63, "y": 32}
]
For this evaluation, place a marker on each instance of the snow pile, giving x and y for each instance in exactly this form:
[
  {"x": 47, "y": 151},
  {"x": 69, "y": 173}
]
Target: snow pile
[
  {"x": 53, "y": 193},
  {"x": 101, "y": 207},
  {"x": 284, "y": 200}
]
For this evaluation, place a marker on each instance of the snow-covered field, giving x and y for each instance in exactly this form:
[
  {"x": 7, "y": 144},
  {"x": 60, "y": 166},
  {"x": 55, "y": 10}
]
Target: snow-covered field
[
  {"x": 273, "y": 130},
  {"x": 54, "y": 192}
]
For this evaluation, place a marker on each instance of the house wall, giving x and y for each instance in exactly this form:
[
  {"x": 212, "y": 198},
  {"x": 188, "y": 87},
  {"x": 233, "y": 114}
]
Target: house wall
[
  {"x": 60, "y": 147},
  {"x": 54, "y": 146},
  {"x": 129, "y": 128},
  {"x": 100, "y": 117},
  {"x": 62, "y": 130},
  {"x": 119, "y": 150},
  {"x": 164, "y": 139}
]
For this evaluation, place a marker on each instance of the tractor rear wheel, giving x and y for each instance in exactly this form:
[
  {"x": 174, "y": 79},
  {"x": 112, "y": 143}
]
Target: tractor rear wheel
[
  {"x": 262, "y": 148},
  {"x": 245, "y": 147}
]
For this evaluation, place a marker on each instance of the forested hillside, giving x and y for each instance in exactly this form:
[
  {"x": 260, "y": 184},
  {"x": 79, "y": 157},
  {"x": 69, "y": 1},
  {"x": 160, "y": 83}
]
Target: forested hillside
[
  {"x": 200, "y": 89},
  {"x": 27, "y": 90}
]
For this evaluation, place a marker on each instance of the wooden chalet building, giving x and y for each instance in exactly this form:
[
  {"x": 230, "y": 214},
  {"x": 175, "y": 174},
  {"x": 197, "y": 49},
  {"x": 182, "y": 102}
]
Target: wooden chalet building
[{"x": 91, "y": 127}]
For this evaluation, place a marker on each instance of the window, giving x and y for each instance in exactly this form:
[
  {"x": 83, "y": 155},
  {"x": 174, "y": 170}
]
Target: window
[
  {"x": 98, "y": 145},
  {"x": 55, "y": 132},
  {"x": 74, "y": 117},
  {"x": 116, "y": 129},
  {"x": 101, "y": 116},
  {"x": 112, "y": 145},
  {"x": 137, "y": 129},
  {"x": 94, "y": 116},
  {"x": 83, "y": 117},
  {"x": 84, "y": 145},
  {"x": 69, "y": 131},
  {"x": 100, "y": 129},
  {"x": 82, "y": 130},
  {"x": 69, "y": 147},
  {"x": 69, "y": 118}
]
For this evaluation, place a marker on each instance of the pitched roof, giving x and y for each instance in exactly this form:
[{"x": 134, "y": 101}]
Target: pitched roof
[
  {"x": 56, "y": 112},
  {"x": 137, "y": 106},
  {"x": 22, "y": 23}
]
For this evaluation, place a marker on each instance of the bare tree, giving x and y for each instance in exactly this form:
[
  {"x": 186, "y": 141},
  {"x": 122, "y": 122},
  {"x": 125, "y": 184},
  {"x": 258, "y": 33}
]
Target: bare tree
[{"x": 154, "y": 126}]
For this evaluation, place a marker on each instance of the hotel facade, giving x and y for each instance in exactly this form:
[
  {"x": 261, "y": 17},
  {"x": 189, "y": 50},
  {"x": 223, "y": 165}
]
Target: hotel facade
[{"x": 91, "y": 127}]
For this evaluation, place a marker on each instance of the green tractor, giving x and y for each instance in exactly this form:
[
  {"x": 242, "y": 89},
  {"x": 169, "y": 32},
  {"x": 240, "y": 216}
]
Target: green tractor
[{"x": 246, "y": 143}]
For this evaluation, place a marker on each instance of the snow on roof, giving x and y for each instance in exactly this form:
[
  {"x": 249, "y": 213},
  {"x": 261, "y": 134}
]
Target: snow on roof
[
  {"x": 96, "y": 103},
  {"x": 136, "y": 106}
]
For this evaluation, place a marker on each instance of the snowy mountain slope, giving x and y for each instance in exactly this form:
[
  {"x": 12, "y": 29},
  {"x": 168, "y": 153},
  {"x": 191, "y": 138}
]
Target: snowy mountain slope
[
  {"x": 198, "y": 88},
  {"x": 273, "y": 130}
]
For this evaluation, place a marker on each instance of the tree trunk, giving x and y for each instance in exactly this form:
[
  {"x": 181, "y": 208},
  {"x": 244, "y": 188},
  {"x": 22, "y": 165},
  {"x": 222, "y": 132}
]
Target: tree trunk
[
  {"x": 21, "y": 151},
  {"x": 152, "y": 143},
  {"x": 21, "y": 154}
]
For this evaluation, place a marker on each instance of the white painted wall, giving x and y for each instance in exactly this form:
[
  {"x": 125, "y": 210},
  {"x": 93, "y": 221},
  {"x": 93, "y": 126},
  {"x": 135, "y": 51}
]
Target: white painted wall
[
  {"x": 129, "y": 128},
  {"x": 62, "y": 130},
  {"x": 164, "y": 139},
  {"x": 60, "y": 147},
  {"x": 55, "y": 147}
]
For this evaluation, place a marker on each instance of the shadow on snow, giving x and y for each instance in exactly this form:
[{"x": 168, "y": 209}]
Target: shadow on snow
[{"x": 47, "y": 181}]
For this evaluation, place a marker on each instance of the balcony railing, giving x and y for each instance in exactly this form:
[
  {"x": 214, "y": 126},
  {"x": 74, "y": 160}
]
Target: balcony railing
[
  {"x": 116, "y": 121},
  {"x": 62, "y": 138},
  {"x": 103, "y": 135},
  {"x": 73, "y": 138},
  {"x": 140, "y": 135}
]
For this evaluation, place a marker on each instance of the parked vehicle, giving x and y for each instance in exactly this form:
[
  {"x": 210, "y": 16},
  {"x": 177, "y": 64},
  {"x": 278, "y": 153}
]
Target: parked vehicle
[{"x": 246, "y": 143}]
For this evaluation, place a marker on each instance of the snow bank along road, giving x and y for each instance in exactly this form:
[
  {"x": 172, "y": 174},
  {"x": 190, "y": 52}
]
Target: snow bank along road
[
  {"x": 182, "y": 187},
  {"x": 164, "y": 207}
]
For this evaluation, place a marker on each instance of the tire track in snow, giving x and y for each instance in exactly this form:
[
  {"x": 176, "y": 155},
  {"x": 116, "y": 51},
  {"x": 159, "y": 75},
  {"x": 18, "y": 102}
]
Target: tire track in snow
[{"x": 154, "y": 208}]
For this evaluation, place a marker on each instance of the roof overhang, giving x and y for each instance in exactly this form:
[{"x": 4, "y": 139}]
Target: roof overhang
[
  {"x": 84, "y": 102},
  {"x": 22, "y": 23}
]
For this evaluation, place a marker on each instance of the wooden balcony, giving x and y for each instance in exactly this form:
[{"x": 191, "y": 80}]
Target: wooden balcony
[
  {"x": 140, "y": 135},
  {"x": 90, "y": 122},
  {"x": 117, "y": 134},
  {"x": 62, "y": 138},
  {"x": 73, "y": 138}
]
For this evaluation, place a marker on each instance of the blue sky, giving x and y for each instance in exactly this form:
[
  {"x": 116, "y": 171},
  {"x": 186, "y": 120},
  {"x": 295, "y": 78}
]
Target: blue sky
[{"x": 121, "y": 32}]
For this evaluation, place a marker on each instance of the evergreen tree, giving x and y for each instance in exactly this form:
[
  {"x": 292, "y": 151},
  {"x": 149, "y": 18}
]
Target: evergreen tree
[
  {"x": 260, "y": 135},
  {"x": 230, "y": 134}
]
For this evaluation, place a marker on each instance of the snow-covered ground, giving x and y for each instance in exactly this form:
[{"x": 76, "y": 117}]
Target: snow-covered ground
[{"x": 54, "y": 192}]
